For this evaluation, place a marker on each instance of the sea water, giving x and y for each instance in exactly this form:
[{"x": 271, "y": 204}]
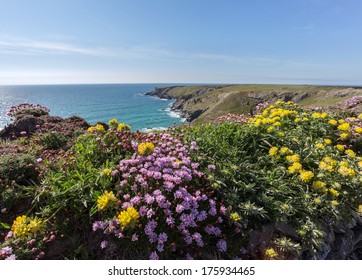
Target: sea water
[{"x": 125, "y": 102}]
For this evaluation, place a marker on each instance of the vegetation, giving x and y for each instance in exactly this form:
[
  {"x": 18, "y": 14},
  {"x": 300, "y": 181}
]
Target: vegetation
[{"x": 277, "y": 185}]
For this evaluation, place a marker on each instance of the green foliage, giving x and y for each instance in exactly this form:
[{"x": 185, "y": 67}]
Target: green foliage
[
  {"x": 19, "y": 167},
  {"x": 53, "y": 140}
]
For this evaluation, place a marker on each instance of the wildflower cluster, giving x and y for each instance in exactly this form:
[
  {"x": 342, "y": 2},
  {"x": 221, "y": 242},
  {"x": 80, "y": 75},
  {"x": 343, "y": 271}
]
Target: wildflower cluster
[
  {"x": 97, "y": 128},
  {"x": 161, "y": 204},
  {"x": 24, "y": 226},
  {"x": 27, "y": 109}
]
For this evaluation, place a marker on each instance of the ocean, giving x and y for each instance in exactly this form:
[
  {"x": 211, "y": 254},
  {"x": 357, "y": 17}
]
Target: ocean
[{"x": 96, "y": 102}]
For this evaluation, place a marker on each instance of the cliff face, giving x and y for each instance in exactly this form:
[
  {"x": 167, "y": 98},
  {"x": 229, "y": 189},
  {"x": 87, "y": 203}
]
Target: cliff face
[{"x": 206, "y": 103}]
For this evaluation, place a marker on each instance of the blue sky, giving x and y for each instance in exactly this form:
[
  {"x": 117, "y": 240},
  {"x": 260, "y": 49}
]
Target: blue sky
[{"x": 181, "y": 41}]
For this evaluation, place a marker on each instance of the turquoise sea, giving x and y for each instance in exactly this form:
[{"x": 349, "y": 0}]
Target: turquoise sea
[{"x": 102, "y": 102}]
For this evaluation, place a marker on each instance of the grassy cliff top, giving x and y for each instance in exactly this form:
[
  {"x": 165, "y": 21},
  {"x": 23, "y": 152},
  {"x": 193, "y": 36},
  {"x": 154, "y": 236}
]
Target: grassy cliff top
[{"x": 208, "y": 102}]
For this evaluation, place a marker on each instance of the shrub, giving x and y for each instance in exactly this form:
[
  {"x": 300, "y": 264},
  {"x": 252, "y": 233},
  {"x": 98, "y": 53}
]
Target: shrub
[
  {"x": 53, "y": 140},
  {"x": 27, "y": 109}
]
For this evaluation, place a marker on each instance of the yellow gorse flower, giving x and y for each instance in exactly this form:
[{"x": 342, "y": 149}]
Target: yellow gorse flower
[
  {"x": 235, "y": 217},
  {"x": 327, "y": 141},
  {"x": 319, "y": 186},
  {"x": 344, "y": 127},
  {"x": 105, "y": 200},
  {"x": 350, "y": 153},
  {"x": 358, "y": 130},
  {"x": 146, "y": 148},
  {"x": 319, "y": 146},
  {"x": 106, "y": 172},
  {"x": 113, "y": 122},
  {"x": 333, "y": 192},
  {"x": 295, "y": 168},
  {"x": 35, "y": 225},
  {"x": 306, "y": 176},
  {"x": 24, "y": 226},
  {"x": 344, "y": 136},
  {"x": 123, "y": 127},
  {"x": 20, "y": 227},
  {"x": 333, "y": 122},
  {"x": 292, "y": 158},
  {"x": 346, "y": 172},
  {"x": 128, "y": 217},
  {"x": 98, "y": 127},
  {"x": 340, "y": 147},
  {"x": 270, "y": 253}
]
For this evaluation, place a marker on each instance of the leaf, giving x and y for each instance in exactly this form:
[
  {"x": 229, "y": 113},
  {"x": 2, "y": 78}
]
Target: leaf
[{"x": 3, "y": 225}]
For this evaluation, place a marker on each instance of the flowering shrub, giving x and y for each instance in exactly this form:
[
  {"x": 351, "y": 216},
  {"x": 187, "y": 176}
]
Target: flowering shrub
[
  {"x": 286, "y": 166},
  {"x": 160, "y": 205},
  {"x": 28, "y": 109}
]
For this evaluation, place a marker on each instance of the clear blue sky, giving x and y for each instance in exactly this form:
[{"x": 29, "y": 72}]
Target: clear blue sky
[{"x": 181, "y": 41}]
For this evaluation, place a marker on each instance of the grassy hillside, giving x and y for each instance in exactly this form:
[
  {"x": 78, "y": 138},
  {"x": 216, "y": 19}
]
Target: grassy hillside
[{"x": 212, "y": 101}]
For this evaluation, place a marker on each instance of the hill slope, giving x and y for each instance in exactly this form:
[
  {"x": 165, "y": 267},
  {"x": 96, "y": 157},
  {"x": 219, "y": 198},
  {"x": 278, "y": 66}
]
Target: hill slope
[{"x": 203, "y": 103}]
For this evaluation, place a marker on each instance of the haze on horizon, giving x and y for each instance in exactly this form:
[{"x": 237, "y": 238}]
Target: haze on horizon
[{"x": 188, "y": 41}]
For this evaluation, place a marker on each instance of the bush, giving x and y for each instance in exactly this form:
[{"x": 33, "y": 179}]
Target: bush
[
  {"x": 53, "y": 140},
  {"x": 28, "y": 109}
]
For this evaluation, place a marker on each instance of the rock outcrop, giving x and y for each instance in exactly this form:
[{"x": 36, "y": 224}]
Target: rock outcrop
[{"x": 31, "y": 124}]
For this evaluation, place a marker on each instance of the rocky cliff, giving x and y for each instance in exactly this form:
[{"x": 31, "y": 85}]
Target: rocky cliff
[{"x": 207, "y": 102}]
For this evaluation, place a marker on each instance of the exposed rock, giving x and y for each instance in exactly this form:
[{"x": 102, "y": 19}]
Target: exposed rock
[{"x": 45, "y": 123}]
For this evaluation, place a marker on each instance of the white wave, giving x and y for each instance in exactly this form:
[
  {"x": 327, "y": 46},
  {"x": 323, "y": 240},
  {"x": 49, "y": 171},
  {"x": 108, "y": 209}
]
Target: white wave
[{"x": 147, "y": 129}]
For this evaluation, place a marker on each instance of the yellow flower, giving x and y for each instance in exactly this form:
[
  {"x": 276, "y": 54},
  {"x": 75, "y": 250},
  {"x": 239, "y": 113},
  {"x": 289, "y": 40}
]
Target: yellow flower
[
  {"x": 235, "y": 217},
  {"x": 99, "y": 127},
  {"x": 297, "y": 120},
  {"x": 285, "y": 150},
  {"x": 316, "y": 115},
  {"x": 333, "y": 122},
  {"x": 107, "y": 199},
  {"x": 294, "y": 168},
  {"x": 325, "y": 166},
  {"x": 146, "y": 148},
  {"x": 270, "y": 129},
  {"x": 270, "y": 253},
  {"x": 106, "y": 172},
  {"x": 319, "y": 146},
  {"x": 359, "y": 164},
  {"x": 346, "y": 172},
  {"x": 123, "y": 127},
  {"x": 273, "y": 151},
  {"x": 360, "y": 116},
  {"x": 341, "y": 121},
  {"x": 281, "y": 134},
  {"x": 319, "y": 186},
  {"x": 360, "y": 206},
  {"x": 20, "y": 227},
  {"x": 317, "y": 201},
  {"x": 334, "y": 192},
  {"x": 330, "y": 161},
  {"x": 334, "y": 202},
  {"x": 344, "y": 127},
  {"x": 344, "y": 163},
  {"x": 340, "y": 147},
  {"x": 35, "y": 225},
  {"x": 327, "y": 141},
  {"x": 128, "y": 217},
  {"x": 292, "y": 158},
  {"x": 113, "y": 122},
  {"x": 358, "y": 130},
  {"x": 306, "y": 176},
  {"x": 350, "y": 153},
  {"x": 344, "y": 136},
  {"x": 91, "y": 129}
]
